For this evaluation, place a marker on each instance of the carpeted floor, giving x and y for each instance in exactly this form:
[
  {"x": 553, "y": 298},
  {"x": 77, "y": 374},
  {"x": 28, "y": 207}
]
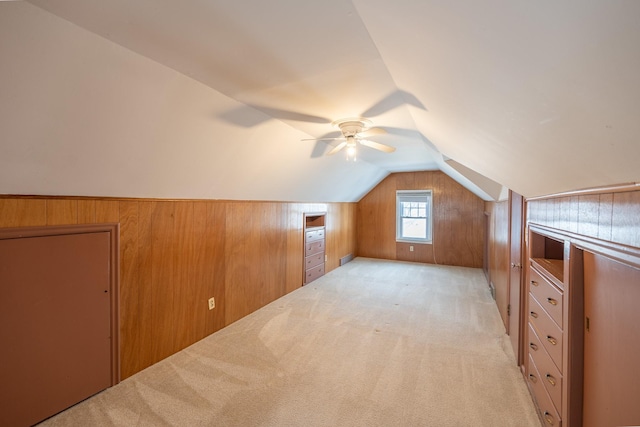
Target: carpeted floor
[{"x": 373, "y": 343}]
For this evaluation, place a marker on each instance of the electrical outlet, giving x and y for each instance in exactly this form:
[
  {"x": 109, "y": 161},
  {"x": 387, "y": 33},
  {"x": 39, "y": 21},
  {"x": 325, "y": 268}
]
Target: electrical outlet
[
  {"x": 212, "y": 303},
  {"x": 410, "y": 248}
]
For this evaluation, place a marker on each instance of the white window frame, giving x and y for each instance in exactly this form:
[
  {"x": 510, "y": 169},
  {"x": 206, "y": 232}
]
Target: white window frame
[{"x": 414, "y": 196}]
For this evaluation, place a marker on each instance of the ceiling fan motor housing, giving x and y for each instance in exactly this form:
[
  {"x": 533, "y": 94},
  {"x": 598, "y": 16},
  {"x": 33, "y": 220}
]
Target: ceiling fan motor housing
[{"x": 351, "y": 127}]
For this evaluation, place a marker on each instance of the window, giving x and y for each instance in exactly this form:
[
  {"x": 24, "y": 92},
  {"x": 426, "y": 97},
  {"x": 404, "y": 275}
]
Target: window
[{"x": 413, "y": 216}]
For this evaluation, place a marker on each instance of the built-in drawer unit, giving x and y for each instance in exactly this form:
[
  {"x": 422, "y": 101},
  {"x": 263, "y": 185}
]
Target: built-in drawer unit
[
  {"x": 548, "y": 411},
  {"x": 547, "y": 294},
  {"x": 549, "y": 373},
  {"x": 314, "y": 272},
  {"x": 553, "y": 332},
  {"x": 550, "y": 334},
  {"x": 314, "y": 260},
  {"x": 314, "y": 246}
]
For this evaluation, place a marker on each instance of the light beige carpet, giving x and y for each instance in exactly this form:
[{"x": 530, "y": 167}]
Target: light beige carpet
[{"x": 373, "y": 343}]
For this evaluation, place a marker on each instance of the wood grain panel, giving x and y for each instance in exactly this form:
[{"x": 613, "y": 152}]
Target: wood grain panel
[
  {"x": 295, "y": 244},
  {"x": 499, "y": 256},
  {"x": 611, "y": 216},
  {"x": 625, "y": 226},
  {"x": 129, "y": 290},
  {"x": 23, "y": 212},
  {"x": 62, "y": 212},
  {"x": 107, "y": 211},
  {"x": 144, "y": 310},
  {"x": 458, "y": 228},
  {"x": 210, "y": 231},
  {"x": 587, "y": 216},
  {"x": 176, "y": 254},
  {"x": 87, "y": 212},
  {"x": 164, "y": 277},
  {"x": 185, "y": 297},
  {"x": 611, "y": 343}
]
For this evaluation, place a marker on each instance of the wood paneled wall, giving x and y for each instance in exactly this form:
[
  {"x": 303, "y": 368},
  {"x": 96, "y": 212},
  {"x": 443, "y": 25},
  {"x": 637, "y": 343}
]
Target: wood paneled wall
[
  {"x": 175, "y": 255},
  {"x": 498, "y": 217},
  {"x": 458, "y": 227},
  {"x": 611, "y": 215}
]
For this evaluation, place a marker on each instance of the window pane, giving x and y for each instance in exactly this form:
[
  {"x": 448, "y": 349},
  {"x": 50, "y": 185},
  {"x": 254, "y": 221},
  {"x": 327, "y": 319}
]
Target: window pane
[{"x": 414, "y": 228}]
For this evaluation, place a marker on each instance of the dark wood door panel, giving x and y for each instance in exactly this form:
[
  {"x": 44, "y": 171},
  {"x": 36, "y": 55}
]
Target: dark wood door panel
[
  {"x": 611, "y": 342},
  {"x": 55, "y": 323}
]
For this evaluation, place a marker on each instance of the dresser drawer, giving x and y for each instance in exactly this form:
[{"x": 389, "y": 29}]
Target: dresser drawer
[
  {"x": 314, "y": 273},
  {"x": 548, "y": 412},
  {"x": 549, "y": 333},
  {"x": 547, "y": 295},
  {"x": 313, "y": 260},
  {"x": 550, "y": 375},
  {"x": 314, "y": 247},
  {"x": 314, "y": 235}
]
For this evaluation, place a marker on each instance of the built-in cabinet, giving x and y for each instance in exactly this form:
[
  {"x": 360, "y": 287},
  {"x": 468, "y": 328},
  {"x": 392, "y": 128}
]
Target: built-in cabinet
[
  {"x": 314, "y": 246},
  {"x": 553, "y": 365}
]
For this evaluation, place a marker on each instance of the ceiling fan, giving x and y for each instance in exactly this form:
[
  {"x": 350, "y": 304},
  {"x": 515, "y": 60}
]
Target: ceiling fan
[{"x": 353, "y": 131}]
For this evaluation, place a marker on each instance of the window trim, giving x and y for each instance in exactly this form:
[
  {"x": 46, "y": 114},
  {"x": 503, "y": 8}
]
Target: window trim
[{"x": 412, "y": 193}]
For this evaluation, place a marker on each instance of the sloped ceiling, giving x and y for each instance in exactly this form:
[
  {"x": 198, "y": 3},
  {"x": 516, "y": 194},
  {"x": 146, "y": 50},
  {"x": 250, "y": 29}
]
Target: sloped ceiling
[{"x": 212, "y": 99}]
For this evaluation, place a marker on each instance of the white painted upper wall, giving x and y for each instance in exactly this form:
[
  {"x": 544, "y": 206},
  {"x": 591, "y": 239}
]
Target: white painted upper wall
[
  {"x": 194, "y": 99},
  {"x": 80, "y": 115}
]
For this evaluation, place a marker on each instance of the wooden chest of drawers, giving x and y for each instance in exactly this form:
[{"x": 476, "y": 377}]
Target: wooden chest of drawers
[
  {"x": 545, "y": 346},
  {"x": 314, "y": 247},
  {"x": 554, "y": 327}
]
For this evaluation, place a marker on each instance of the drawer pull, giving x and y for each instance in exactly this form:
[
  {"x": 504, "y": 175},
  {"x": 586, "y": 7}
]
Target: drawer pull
[
  {"x": 533, "y": 314},
  {"x": 532, "y": 378},
  {"x": 548, "y": 418},
  {"x": 552, "y": 340},
  {"x": 552, "y": 301},
  {"x": 533, "y": 346},
  {"x": 551, "y": 380},
  {"x": 534, "y": 283}
]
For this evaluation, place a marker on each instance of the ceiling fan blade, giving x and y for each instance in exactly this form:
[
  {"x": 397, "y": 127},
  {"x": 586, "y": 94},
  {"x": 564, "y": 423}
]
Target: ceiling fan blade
[
  {"x": 377, "y": 146},
  {"x": 337, "y": 148}
]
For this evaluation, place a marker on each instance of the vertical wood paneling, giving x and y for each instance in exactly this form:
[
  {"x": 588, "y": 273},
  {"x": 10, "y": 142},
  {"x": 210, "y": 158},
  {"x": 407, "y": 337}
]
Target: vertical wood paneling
[
  {"x": 87, "y": 212},
  {"x": 130, "y": 321},
  {"x": 23, "y": 212},
  {"x": 295, "y": 245},
  {"x": 185, "y": 302},
  {"x": 499, "y": 256},
  {"x": 605, "y": 216},
  {"x": 625, "y": 226},
  {"x": 107, "y": 211},
  {"x": 458, "y": 228},
  {"x": 210, "y": 261},
  {"x": 588, "y": 215},
  {"x": 145, "y": 286},
  {"x": 611, "y": 216},
  {"x": 174, "y": 255},
  {"x": 164, "y": 276},
  {"x": 62, "y": 212}
]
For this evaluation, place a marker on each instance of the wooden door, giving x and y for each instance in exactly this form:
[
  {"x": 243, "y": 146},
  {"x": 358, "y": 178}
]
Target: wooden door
[
  {"x": 516, "y": 235},
  {"x": 611, "y": 343},
  {"x": 55, "y": 323}
]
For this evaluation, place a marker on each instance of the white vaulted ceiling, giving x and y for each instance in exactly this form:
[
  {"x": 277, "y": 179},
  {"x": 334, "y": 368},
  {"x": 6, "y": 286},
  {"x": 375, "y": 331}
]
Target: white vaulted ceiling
[{"x": 212, "y": 99}]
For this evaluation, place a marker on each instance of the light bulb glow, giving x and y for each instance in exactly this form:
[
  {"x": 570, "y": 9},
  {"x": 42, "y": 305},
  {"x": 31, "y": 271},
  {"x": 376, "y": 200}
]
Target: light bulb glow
[{"x": 351, "y": 152}]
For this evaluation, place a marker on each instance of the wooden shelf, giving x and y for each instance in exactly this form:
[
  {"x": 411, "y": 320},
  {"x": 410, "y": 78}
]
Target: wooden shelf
[{"x": 555, "y": 267}]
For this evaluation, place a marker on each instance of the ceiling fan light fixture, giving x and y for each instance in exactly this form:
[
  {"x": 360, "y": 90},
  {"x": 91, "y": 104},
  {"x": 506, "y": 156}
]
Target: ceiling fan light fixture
[{"x": 351, "y": 149}]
